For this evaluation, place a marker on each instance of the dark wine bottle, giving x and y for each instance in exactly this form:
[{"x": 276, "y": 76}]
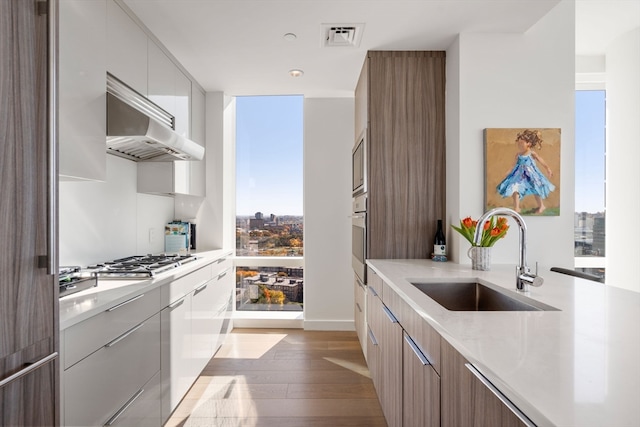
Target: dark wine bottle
[{"x": 439, "y": 243}]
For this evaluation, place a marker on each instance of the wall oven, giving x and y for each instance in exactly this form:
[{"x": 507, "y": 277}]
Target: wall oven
[
  {"x": 359, "y": 237},
  {"x": 359, "y": 166}
]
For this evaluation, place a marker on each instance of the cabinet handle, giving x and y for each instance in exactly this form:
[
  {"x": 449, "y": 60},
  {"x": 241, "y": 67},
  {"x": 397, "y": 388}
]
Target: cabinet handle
[
  {"x": 25, "y": 371},
  {"x": 359, "y": 282},
  {"x": 358, "y": 307},
  {"x": 416, "y": 350},
  {"x": 177, "y": 303},
  {"x": 221, "y": 260},
  {"x": 373, "y": 291},
  {"x": 389, "y": 314},
  {"x": 123, "y": 336},
  {"x": 372, "y": 337},
  {"x": 513, "y": 408},
  {"x": 115, "y": 307},
  {"x": 224, "y": 273},
  {"x": 201, "y": 287},
  {"x": 124, "y": 408},
  {"x": 52, "y": 119}
]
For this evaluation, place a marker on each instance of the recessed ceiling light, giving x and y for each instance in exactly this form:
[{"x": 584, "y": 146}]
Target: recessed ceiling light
[
  {"x": 289, "y": 37},
  {"x": 296, "y": 73}
]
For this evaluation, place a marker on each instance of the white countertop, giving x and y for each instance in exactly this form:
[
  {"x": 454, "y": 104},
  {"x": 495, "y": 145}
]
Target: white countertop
[
  {"x": 579, "y": 366},
  {"x": 80, "y": 306}
]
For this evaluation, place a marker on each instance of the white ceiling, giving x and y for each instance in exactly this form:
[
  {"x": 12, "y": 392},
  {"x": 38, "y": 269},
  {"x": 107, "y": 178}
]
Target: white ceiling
[{"x": 237, "y": 46}]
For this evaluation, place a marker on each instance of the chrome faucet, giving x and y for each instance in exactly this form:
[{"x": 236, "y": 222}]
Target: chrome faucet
[{"x": 524, "y": 276}]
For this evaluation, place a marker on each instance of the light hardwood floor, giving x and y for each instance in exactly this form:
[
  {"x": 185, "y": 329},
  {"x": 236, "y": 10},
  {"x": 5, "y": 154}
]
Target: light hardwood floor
[{"x": 284, "y": 378}]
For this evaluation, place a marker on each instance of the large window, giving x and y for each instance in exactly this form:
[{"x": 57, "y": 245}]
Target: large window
[
  {"x": 269, "y": 219},
  {"x": 590, "y": 187}
]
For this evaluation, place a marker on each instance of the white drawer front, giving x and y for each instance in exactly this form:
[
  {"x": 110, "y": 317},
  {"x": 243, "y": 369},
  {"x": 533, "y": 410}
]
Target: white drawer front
[
  {"x": 86, "y": 337},
  {"x": 101, "y": 384},
  {"x": 184, "y": 285}
]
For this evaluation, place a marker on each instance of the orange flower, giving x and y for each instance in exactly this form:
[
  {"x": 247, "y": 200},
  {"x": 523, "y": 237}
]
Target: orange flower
[
  {"x": 494, "y": 229},
  {"x": 468, "y": 222}
]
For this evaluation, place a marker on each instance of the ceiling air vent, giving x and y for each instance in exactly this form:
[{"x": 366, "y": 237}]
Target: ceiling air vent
[{"x": 341, "y": 35}]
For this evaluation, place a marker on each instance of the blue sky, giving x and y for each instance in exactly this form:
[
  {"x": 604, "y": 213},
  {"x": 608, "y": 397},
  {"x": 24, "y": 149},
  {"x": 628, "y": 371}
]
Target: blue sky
[
  {"x": 590, "y": 146},
  {"x": 269, "y": 135}
]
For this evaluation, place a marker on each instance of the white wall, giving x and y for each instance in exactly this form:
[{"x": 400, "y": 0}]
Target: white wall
[
  {"x": 511, "y": 81},
  {"x": 623, "y": 153},
  {"x": 216, "y": 215},
  {"x": 100, "y": 221},
  {"x": 328, "y": 277}
]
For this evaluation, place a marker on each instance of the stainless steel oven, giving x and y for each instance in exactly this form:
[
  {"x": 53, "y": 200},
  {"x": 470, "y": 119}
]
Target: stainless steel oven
[
  {"x": 359, "y": 237},
  {"x": 359, "y": 166}
]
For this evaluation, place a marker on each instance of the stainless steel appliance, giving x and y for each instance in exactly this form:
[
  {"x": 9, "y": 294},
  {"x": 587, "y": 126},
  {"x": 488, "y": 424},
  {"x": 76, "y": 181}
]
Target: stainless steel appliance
[
  {"x": 359, "y": 165},
  {"x": 359, "y": 237},
  {"x": 139, "y": 130},
  {"x": 138, "y": 266},
  {"x": 75, "y": 279}
]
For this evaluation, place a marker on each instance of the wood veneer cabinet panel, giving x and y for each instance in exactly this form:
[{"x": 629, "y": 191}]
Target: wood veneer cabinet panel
[
  {"x": 28, "y": 297},
  {"x": 361, "y": 100},
  {"x": 465, "y": 400},
  {"x": 406, "y": 92},
  {"x": 421, "y": 391}
]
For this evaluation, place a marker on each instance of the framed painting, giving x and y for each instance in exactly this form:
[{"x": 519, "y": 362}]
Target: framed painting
[{"x": 522, "y": 170}]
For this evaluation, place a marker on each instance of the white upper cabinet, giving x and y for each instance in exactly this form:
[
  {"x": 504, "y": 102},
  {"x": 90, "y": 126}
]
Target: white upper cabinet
[
  {"x": 82, "y": 99},
  {"x": 173, "y": 91},
  {"x": 126, "y": 48},
  {"x": 161, "y": 79}
]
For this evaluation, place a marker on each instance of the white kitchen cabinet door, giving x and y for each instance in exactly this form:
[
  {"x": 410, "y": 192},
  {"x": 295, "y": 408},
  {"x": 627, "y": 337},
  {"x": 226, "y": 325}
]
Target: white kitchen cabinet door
[
  {"x": 161, "y": 79},
  {"x": 126, "y": 48},
  {"x": 82, "y": 97},
  {"x": 198, "y": 120},
  {"x": 203, "y": 325},
  {"x": 143, "y": 409},
  {"x": 96, "y": 388},
  {"x": 176, "y": 354}
]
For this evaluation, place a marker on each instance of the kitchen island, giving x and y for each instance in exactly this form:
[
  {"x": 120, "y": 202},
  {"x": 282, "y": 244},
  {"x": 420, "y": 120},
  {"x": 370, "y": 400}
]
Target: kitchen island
[{"x": 574, "y": 366}]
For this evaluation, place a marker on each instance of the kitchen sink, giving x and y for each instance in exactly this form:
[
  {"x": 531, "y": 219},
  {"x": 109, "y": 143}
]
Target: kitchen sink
[{"x": 472, "y": 296}]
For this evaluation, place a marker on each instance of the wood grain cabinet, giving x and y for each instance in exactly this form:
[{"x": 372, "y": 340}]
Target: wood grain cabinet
[
  {"x": 28, "y": 294},
  {"x": 385, "y": 357},
  {"x": 360, "y": 297},
  {"x": 399, "y": 103},
  {"x": 469, "y": 399}
]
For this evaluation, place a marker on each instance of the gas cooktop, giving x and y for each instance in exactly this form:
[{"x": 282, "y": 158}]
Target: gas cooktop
[{"x": 139, "y": 266}]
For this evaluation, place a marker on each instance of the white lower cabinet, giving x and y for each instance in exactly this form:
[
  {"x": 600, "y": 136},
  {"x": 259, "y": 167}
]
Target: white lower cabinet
[
  {"x": 143, "y": 409},
  {"x": 132, "y": 364},
  {"x": 177, "y": 356},
  {"x": 99, "y": 387}
]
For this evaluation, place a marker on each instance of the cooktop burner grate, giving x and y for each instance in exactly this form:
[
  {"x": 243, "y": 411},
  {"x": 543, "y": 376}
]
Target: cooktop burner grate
[{"x": 139, "y": 266}]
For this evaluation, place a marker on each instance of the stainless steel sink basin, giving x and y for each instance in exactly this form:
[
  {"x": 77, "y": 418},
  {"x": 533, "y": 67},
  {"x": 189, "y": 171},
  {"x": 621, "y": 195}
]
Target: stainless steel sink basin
[{"x": 474, "y": 296}]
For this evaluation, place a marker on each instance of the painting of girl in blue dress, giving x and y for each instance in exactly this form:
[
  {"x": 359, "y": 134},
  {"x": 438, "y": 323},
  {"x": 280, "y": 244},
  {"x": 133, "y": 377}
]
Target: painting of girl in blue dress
[{"x": 526, "y": 186}]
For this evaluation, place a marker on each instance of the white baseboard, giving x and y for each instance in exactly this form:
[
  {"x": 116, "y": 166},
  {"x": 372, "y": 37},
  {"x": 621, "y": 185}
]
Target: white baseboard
[{"x": 329, "y": 325}]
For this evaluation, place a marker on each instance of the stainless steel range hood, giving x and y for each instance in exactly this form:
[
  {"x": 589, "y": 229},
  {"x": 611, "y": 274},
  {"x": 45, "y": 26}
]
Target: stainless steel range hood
[{"x": 139, "y": 130}]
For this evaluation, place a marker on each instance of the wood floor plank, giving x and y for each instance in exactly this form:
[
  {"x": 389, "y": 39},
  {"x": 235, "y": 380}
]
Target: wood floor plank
[{"x": 284, "y": 378}]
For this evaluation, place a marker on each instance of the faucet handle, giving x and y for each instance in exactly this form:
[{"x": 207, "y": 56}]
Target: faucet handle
[{"x": 532, "y": 279}]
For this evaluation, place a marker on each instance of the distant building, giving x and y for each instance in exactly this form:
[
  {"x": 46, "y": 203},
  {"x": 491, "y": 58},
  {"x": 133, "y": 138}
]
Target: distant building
[
  {"x": 598, "y": 236},
  {"x": 291, "y": 287}
]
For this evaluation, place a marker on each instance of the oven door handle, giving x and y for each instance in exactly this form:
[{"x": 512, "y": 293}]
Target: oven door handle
[{"x": 356, "y": 216}]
